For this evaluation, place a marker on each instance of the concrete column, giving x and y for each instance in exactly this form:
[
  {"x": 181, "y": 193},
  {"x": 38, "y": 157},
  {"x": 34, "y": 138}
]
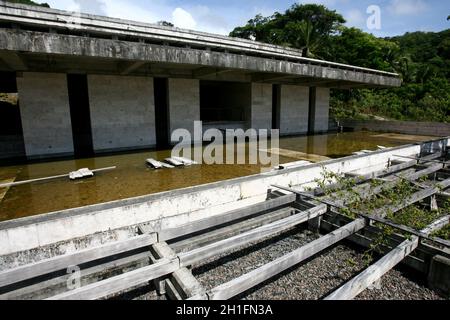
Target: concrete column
[
  {"x": 294, "y": 109},
  {"x": 122, "y": 112},
  {"x": 184, "y": 104},
  {"x": 321, "y": 110},
  {"x": 45, "y": 113},
  {"x": 261, "y": 106}
]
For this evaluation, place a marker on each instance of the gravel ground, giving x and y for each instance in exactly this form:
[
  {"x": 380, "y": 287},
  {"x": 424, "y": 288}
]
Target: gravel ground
[{"x": 309, "y": 281}]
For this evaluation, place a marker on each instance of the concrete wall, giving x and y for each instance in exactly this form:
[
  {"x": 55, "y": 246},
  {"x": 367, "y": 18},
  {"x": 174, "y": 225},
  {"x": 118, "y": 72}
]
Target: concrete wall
[
  {"x": 122, "y": 112},
  {"x": 437, "y": 129},
  {"x": 45, "y": 112},
  {"x": 184, "y": 104},
  {"x": 294, "y": 109},
  {"x": 322, "y": 110},
  {"x": 261, "y": 106}
]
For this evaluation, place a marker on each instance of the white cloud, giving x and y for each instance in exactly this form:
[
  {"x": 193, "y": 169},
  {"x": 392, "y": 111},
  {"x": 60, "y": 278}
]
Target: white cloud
[
  {"x": 208, "y": 20},
  {"x": 92, "y": 6},
  {"x": 355, "y": 17},
  {"x": 126, "y": 10},
  {"x": 116, "y": 8},
  {"x": 407, "y": 7},
  {"x": 183, "y": 19}
]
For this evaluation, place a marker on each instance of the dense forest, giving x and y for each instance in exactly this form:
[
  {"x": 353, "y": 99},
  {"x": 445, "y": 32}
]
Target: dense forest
[{"x": 421, "y": 58}]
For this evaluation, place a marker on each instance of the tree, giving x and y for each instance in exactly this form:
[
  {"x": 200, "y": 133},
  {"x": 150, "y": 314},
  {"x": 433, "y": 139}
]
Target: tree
[
  {"x": 353, "y": 46},
  {"x": 258, "y": 29},
  {"x": 306, "y": 27}
]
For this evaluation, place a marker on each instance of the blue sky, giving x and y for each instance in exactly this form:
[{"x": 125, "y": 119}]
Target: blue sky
[{"x": 221, "y": 16}]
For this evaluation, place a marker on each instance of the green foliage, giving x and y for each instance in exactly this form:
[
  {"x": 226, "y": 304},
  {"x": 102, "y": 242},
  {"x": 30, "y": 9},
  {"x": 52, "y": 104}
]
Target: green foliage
[
  {"x": 376, "y": 198},
  {"x": 29, "y": 2},
  {"x": 421, "y": 58},
  {"x": 444, "y": 233},
  {"x": 303, "y": 26},
  {"x": 363, "y": 49},
  {"x": 423, "y": 61},
  {"x": 415, "y": 217}
]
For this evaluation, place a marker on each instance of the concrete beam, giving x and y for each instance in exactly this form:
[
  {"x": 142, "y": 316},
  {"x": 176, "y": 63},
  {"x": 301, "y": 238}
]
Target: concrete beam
[
  {"x": 128, "y": 68},
  {"x": 13, "y": 61},
  {"x": 58, "y": 44},
  {"x": 263, "y": 77},
  {"x": 205, "y": 72}
]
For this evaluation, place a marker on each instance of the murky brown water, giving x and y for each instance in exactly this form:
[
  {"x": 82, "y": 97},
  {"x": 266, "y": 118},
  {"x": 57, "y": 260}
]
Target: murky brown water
[{"x": 132, "y": 178}]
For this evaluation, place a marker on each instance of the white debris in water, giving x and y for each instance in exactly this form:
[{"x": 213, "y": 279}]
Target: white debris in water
[
  {"x": 185, "y": 161},
  {"x": 174, "y": 162},
  {"x": 80, "y": 174}
]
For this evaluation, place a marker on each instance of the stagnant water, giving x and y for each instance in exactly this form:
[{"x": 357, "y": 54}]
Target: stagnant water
[{"x": 132, "y": 177}]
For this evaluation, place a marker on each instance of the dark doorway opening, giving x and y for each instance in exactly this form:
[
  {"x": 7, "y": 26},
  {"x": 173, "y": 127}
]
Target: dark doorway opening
[
  {"x": 161, "y": 90},
  {"x": 224, "y": 102},
  {"x": 12, "y": 144},
  {"x": 276, "y": 106},
  {"x": 312, "y": 111},
  {"x": 80, "y": 115}
]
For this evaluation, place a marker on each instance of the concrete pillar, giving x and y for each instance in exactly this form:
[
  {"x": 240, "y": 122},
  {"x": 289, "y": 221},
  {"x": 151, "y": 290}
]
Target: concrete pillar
[
  {"x": 261, "y": 106},
  {"x": 184, "y": 104},
  {"x": 321, "y": 110},
  {"x": 294, "y": 109},
  {"x": 439, "y": 275},
  {"x": 45, "y": 113},
  {"x": 122, "y": 112}
]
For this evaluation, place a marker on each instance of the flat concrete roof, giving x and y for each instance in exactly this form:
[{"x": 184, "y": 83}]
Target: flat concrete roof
[{"x": 42, "y": 39}]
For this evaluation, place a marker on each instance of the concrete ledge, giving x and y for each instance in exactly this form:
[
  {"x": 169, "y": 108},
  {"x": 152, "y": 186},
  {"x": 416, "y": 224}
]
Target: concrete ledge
[
  {"x": 58, "y": 44},
  {"x": 437, "y": 129}
]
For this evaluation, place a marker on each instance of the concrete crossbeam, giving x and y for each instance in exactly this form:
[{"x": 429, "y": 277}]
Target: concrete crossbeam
[{"x": 75, "y": 46}]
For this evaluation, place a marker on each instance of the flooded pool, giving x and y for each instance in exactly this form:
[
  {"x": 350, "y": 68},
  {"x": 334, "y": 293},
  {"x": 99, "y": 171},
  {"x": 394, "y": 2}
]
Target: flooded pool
[{"x": 132, "y": 177}]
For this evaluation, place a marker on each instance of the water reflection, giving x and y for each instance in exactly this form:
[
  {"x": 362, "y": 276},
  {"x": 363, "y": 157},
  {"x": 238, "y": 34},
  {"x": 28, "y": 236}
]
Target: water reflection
[{"x": 132, "y": 178}]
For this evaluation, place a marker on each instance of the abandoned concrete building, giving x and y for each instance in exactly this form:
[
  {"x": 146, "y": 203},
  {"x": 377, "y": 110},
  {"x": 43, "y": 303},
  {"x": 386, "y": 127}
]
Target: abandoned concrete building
[{"x": 90, "y": 84}]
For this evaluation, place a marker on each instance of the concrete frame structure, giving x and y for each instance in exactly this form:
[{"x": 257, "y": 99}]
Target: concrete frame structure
[{"x": 44, "y": 42}]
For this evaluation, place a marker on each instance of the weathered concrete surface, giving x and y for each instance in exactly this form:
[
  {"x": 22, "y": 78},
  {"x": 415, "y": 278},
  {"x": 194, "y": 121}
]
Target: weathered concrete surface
[
  {"x": 294, "y": 110},
  {"x": 439, "y": 275},
  {"x": 45, "y": 112},
  {"x": 261, "y": 106},
  {"x": 75, "y": 46},
  {"x": 122, "y": 112},
  {"x": 58, "y": 19},
  {"x": 437, "y": 129},
  {"x": 174, "y": 208},
  {"x": 184, "y": 104}
]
